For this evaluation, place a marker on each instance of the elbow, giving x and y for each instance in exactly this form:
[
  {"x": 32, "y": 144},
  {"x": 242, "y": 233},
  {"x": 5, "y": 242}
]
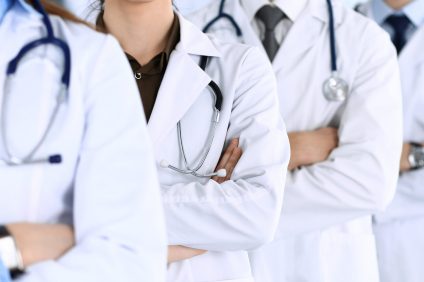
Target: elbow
[
  {"x": 384, "y": 199},
  {"x": 384, "y": 192},
  {"x": 263, "y": 236},
  {"x": 263, "y": 232}
]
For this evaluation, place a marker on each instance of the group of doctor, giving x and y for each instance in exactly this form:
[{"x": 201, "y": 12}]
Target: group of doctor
[{"x": 244, "y": 141}]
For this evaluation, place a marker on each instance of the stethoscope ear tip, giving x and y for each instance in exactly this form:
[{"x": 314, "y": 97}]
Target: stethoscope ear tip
[
  {"x": 221, "y": 172},
  {"x": 55, "y": 159},
  {"x": 164, "y": 164}
]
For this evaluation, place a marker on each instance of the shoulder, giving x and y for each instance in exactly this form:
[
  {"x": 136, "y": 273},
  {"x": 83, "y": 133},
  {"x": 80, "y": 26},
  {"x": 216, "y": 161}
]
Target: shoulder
[
  {"x": 362, "y": 33},
  {"x": 90, "y": 50},
  {"x": 85, "y": 42},
  {"x": 207, "y": 11},
  {"x": 239, "y": 54},
  {"x": 97, "y": 59}
]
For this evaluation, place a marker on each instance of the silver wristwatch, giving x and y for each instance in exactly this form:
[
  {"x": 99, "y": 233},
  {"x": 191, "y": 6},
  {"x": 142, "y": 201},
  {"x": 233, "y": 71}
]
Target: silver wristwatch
[
  {"x": 9, "y": 253},
  {"x": 416, "y": 156}
]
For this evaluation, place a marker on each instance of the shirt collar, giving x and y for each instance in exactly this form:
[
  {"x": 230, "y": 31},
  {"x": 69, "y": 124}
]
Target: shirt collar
[
  {"x": 20, "y": 6},
  {"x": 4, "y": 7},
  {"x": 414, "y": 11},
  {"x": 291, "y": 8}
]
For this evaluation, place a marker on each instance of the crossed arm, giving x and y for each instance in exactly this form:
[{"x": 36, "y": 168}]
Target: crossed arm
[{"x": 39, "y": 242}]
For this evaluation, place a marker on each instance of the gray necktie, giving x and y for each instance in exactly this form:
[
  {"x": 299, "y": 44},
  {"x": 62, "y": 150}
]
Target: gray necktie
[{"x": 270, "y": 16}]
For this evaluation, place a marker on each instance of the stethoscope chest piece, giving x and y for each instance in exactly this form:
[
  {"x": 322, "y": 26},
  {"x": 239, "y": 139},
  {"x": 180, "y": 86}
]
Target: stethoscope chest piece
[{"x": 335, "y": 89}]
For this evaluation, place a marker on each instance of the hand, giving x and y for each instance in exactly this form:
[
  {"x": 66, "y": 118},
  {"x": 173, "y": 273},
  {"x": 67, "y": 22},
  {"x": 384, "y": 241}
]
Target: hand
[
  {"x": 41, "y": 242},
  {"x": 311, "y": 147},
  {"x": 404, "y": 161},
  {"x": 178, "y": 253},
  {"x": 229, "y": 160}
]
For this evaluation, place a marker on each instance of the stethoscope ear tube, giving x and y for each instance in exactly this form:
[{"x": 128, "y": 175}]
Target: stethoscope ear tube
[
  {"x": 61, "y": 97},
  {"x": 220, "y": 173},
  {"x": 223, "y": 15}
]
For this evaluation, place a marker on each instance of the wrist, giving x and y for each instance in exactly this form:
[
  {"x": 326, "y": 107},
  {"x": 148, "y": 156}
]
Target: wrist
[
  {"x": 298, "y": 152},
  {"x": 10, "y": 255}
]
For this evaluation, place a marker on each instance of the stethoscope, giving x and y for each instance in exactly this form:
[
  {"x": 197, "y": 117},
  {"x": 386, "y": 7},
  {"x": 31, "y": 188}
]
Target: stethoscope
[
  {"x": 217, "y": 106},
  {"x": 334, "y": 88},
  {"x": 12, "y": 67}
]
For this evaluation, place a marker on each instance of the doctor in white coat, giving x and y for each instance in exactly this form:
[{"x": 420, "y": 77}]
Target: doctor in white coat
[
  {"x": 345, "y": 154},
  {"x": 224, "y": 218},
  {"x": 103, "y": 183},
  {"x": 400, "y": 230}
]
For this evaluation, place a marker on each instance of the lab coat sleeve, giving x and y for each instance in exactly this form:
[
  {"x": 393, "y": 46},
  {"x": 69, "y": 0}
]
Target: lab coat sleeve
[
  {"x": 242, "y": 213},
  {"x": 359, "y": 178},
  {"x": 409, "y": 198},
  {"x": 118, "y": 215}
]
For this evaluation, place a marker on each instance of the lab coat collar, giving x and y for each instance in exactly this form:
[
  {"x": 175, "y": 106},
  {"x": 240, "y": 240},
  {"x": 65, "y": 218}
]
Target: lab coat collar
[
  {"x": 183, "y": 81},
  {"x": 19, "y": 7},
  {"x": 193, "y": 41},
  {"x": 291, "y": 8}
]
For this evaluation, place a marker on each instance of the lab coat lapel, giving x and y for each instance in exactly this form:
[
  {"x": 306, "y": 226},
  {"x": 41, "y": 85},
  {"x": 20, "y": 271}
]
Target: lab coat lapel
[
  {"x": 310, "y": 25},
  {"x": 249, "y": 35},
  {"x": 305, "y": 31},
  {"x": 183, "y": 81},
  {"x": 286, "y": 57},
  {"x": 412, "y": 53}
]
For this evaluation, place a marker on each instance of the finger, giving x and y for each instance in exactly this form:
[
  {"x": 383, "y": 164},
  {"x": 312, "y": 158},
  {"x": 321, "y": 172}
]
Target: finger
[
  {"x": 228, "y": 152},
  {"x": 232, "y": 162},
  {"x": 224, "y": 159}
]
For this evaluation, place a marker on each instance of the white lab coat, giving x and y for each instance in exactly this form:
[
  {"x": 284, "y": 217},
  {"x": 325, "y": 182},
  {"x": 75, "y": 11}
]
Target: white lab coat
[
  {"x": 400, "y": 230},
  {"x": 325, "y": 231},
  {"x": 107, "y": 185},
  {"x": 240, "y": 214}
]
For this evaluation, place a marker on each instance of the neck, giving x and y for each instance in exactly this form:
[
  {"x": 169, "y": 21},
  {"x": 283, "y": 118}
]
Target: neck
[
  {"x": 397, "y": 4},
  {"x": 141, "y": 28}
]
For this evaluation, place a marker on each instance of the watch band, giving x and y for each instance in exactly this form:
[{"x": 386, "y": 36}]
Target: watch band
[
  {"x": 4, "y": 232},
  {"x": 18, "y": 267},
  {"x": 416, "y": 156}
]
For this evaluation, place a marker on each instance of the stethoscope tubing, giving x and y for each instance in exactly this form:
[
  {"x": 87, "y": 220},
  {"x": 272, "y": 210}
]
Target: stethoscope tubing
[
  {"x": 223, "y": 15},
  {"x": 61, "y": 97},
  {"x": 217, "y": 107},
  {"x": 332, "y": 32}
]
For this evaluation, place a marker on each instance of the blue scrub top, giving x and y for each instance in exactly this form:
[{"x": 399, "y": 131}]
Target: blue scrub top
[
  {"x": 6, "y": 5},
  {"x": 4, "y": 273}
]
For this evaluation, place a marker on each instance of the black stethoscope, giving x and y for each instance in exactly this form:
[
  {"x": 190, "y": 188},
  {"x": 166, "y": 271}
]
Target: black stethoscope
[
  {"x": 334, "y": 88},
  {"x": 12, "y": 67},
  {"x": 217, "y": 107}
]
